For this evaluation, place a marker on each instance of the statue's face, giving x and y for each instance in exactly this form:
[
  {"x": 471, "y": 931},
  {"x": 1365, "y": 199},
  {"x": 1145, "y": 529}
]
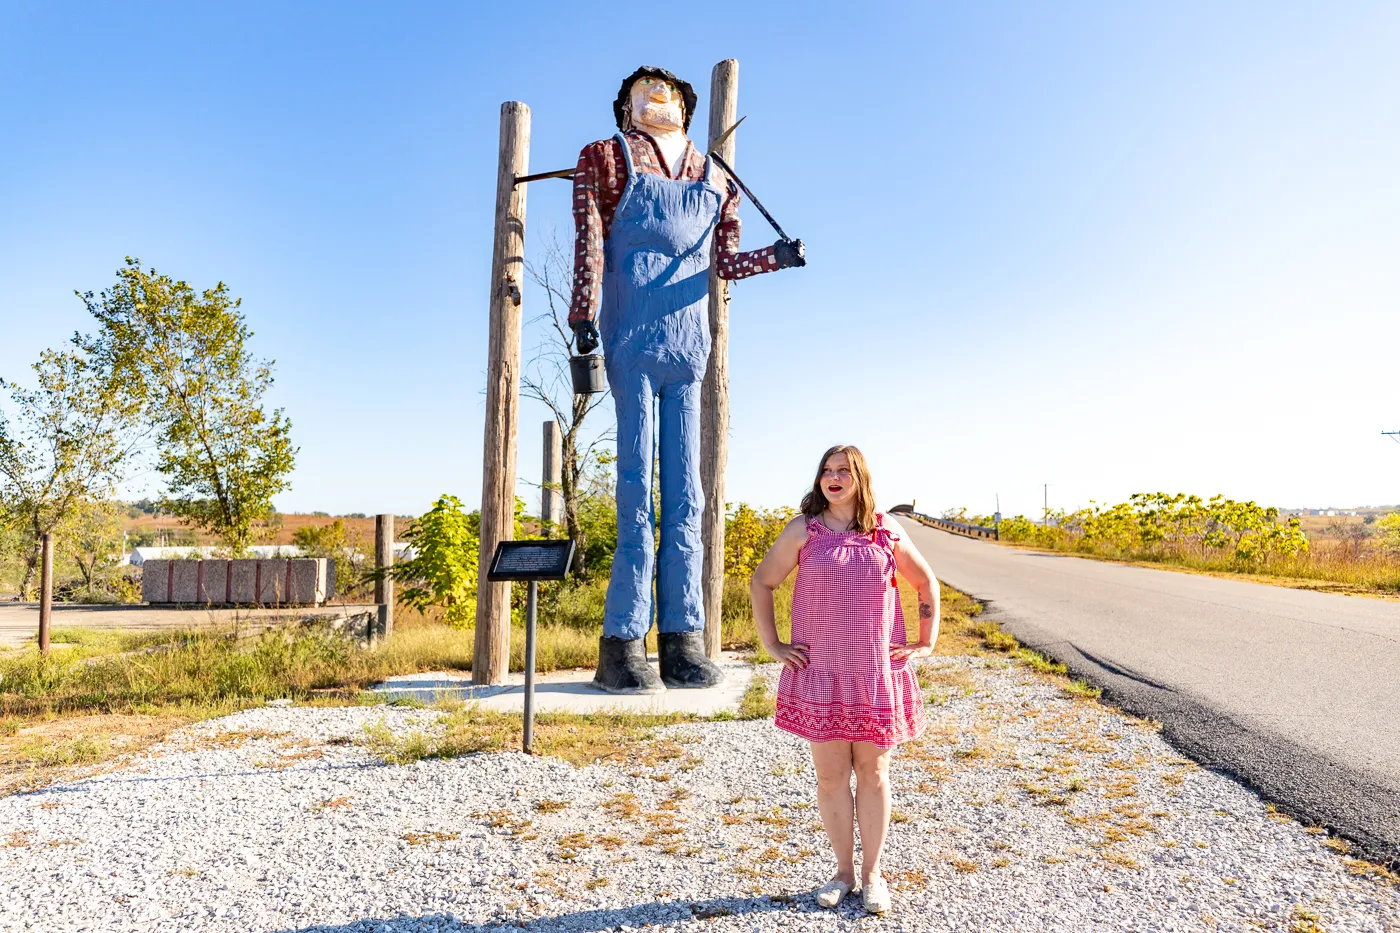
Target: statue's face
[{"x": 657, "y": 105}]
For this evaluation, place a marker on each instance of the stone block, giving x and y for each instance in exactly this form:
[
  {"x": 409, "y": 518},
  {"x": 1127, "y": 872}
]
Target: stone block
[
  {"x": 272, "y": 582},
  {"x": 155, "y": 581},
  {"x": 280, "y": 582},
  {"x": 307, "y": 581},
  {"x": 184, "y": 585},
  {"x": 329, "y": 594},
  {"x": 214, "y": 585},
  {"x": 243, "y": 582}
]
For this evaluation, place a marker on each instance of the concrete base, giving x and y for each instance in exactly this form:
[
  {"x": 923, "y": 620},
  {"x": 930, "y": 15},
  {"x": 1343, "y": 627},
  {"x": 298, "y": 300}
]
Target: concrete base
[{"x": 571, "y": 692}]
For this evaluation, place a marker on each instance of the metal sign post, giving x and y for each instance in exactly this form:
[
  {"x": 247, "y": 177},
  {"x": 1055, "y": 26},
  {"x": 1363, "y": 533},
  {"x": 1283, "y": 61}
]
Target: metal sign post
[{"x": 531, "y": 561}]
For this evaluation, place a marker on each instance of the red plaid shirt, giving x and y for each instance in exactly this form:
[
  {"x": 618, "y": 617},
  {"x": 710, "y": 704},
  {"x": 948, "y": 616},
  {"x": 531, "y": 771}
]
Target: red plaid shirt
[{"x": 599, "y": 181}]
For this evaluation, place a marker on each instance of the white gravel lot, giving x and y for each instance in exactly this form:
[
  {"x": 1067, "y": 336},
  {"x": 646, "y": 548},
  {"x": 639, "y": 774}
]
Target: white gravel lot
[{"x": 1021, "y": 810}]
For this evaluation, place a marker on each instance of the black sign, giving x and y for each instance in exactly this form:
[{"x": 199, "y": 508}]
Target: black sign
[{"x": 531, "y": 560}]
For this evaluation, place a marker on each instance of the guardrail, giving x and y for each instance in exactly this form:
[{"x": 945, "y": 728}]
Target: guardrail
[{"x": 957, "y": 528}]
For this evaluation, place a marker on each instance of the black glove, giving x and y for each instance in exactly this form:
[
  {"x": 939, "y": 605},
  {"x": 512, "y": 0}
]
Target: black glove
[
  {"x": 585, "y": 337},
  {"x": 790, "y": 253}
]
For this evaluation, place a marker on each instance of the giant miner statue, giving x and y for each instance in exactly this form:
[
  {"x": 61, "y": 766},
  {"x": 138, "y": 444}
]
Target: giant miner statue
[{"x": 647, "y": 204}]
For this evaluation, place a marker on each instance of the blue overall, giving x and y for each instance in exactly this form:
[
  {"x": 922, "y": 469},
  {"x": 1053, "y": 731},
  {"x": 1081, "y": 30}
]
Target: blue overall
[{"x": 654, "y": 322}]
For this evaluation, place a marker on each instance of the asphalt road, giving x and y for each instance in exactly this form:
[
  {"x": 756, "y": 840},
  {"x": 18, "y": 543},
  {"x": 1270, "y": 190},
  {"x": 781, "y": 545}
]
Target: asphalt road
[{"x": 1296, "y": 693}]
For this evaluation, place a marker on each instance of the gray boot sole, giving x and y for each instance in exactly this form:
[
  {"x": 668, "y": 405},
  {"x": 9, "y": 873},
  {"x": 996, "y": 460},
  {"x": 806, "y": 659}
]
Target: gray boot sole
[{"x": 628, "y": 691}]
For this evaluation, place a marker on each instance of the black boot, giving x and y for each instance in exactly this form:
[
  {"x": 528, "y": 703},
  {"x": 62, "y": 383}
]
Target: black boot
[
  {"x": 683, "y": 661},
  {"x": 623, "y": 667}
]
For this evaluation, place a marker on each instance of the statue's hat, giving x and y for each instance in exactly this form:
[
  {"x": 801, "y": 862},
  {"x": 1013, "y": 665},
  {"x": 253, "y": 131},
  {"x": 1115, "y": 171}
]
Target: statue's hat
[{"x": 651, "y": 71}]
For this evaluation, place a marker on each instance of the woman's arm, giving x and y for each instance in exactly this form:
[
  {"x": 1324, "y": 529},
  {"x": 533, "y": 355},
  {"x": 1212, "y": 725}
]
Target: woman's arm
[
  {"x": 912, "y": 567},
  {"x": 774, "y": 569}
]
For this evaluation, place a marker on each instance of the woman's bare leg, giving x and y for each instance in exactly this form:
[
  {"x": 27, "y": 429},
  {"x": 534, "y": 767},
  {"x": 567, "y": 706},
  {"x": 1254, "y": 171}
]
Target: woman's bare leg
[
  {"x": 833, "y": 763},
  {"x": 872, "y": 767}
]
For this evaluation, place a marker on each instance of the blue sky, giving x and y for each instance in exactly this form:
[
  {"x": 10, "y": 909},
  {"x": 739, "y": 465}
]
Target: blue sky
[{"x": 1110, "y": 247}]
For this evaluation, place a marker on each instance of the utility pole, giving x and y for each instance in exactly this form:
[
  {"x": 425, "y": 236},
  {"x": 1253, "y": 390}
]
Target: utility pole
[
  {"x": 551, "y": 500},
  {"x": 46, "y": 593},
  {"x": 383, "y": 583},
  {"x": 1393, "y": 435},
  {"x": 714, "y": 392},
  {"x": 491, "y": 658},
  {"x": 1045, "y": 516}
]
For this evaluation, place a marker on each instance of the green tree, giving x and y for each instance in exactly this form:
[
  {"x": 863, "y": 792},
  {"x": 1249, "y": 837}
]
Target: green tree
[
  {"x": 443, "y": 569},
  {"x": 749, "y": 533},
  {"x": 183, "y": 356},
  {"x": 1388, "y": 532},
  {"x": 92, "y": 539},
  {"x": 341, "y": 544},
  {"x": 71, "y": 439}
]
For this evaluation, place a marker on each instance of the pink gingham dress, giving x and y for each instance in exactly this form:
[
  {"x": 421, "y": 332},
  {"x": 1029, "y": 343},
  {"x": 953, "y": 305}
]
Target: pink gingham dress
[{"x": 846, "y": 610}]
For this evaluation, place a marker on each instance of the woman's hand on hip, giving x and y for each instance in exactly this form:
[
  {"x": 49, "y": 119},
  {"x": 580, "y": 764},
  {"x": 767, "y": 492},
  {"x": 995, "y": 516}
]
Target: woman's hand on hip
[
  {"x": 919, "y": 649},
  {"x": 792, "y": 656}
]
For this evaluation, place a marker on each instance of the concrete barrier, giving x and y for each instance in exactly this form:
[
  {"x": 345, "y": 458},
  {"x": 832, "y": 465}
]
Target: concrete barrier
[
  {"x": 213, "y": 581},
  {"x": 298, "y": 581},
  {"x": 155, "y": 581},
  {"x": 243, "y": 582}
]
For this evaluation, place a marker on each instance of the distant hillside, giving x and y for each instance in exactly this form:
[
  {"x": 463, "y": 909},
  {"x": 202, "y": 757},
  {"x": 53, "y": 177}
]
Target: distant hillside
[{"x": 147, "y": 528}]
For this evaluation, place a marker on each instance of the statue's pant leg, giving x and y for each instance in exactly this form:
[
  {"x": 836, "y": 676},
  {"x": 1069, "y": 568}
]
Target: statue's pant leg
[
  {"x": 679, "y": 585},
  {"x": 627, "y": 613}
]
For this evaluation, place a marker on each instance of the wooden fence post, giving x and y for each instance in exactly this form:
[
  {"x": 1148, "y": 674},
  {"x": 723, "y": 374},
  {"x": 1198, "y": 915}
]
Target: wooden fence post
[
  {"x": 384, "y": 584},
  {"x": 714, "y": 411},
  {"x": 551, "y": 497},
  {"x": 491, "y": 658},
  {"x": 46, "y": 594}
]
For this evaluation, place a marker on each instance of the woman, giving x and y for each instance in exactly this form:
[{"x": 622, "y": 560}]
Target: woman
[{"x": 847, "y": 685}]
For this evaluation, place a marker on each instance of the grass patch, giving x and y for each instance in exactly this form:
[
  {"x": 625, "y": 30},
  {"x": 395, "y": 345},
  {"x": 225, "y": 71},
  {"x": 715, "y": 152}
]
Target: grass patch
[
  {"x": 1377, "y": 873},
  {"x": 578, "y": 738},
  {"x": 1303, "y": 920},
  {"x": 1081, "y": 689},
  {"x": 551, "y": 806},
  {"x": 217, "y": 670},
  {"x": 758, "y": 701},
  {"x": 33, "y": 755},
  {"x": 996, "y": 641}
]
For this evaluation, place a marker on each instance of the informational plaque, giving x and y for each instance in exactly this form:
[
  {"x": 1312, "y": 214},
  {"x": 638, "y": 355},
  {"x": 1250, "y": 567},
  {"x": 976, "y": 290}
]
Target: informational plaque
[{"x": 531, "y": 560}]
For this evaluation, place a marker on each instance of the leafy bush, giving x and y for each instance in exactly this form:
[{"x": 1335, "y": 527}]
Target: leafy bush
[
  {"x": 749, "y": 533},
  {"x": 597, "y": 521},
  {"x": 1161, "y": 525},
  {"x": 342, "y": 545},
  {"x": 1388, "y": 533},
  {"x": 443, "y": 571}
]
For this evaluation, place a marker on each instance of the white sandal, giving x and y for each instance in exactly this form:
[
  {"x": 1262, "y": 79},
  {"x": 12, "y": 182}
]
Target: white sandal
[
  {"x": 876, "y": 896},
  {"x": 831, "y": 893}
]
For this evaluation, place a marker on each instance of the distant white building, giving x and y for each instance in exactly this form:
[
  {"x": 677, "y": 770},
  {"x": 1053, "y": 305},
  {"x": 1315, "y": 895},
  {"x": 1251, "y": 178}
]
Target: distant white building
[{"x": 140, "y": 555}]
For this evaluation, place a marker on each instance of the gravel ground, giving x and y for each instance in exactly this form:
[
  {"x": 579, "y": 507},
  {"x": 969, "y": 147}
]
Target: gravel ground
[{"x": 1021, "y": 809}]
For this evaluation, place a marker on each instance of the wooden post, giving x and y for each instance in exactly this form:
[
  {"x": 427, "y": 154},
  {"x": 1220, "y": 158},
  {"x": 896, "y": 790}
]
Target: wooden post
[
  {"x": 551, "y": 497},
  {"x": 491, "y": 659},
  {"x": 46, "y": 594},
  {"x": 714, "y": 412},
  {"x": 384, "y": 585}
]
